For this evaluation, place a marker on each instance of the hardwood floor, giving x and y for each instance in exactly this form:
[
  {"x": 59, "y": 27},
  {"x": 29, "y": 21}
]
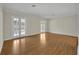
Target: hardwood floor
[{"x": 41, "y": 44}]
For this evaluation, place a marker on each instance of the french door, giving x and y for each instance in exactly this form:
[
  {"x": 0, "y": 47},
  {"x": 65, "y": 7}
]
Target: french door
[
  {"x": 43, "y": 26},
  {"x": 18, "y": 27}
]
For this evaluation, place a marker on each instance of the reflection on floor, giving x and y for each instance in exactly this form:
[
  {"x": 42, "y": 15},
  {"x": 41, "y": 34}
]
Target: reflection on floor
[{"x": 41, "y": 44}]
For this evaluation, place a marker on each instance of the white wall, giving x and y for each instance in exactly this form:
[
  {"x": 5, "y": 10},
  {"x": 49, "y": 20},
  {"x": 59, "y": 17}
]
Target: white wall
[
  {"x": 1, "y": 27},
  {"x": 78, "y": 16},
  {"x": 6, "y": 25},
  {"x": 64, "y": 25},
  {"x": 32, "y": 23},
  {"x": 78, "y": 31},
  {"x": 78, "y": 25}
]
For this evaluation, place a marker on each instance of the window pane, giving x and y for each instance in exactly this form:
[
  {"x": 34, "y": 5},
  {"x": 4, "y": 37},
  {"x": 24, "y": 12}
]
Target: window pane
[
  {"x": 22, "y": 26},
  {"x": 16, "y": 26}
]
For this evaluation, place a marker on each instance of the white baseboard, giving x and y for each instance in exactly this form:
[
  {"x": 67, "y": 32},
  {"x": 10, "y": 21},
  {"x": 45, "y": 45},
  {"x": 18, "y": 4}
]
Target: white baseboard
[
  {"x": 25, "y": 35},
  {"x": 78, "y": 51},
  {"x": 1, "y": 44},
  {"x": 65, "y": 34}
]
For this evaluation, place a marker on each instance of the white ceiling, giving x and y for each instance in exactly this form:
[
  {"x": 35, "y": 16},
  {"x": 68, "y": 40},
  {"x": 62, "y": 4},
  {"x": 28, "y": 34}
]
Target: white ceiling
[{"x": 45, "y": 10}]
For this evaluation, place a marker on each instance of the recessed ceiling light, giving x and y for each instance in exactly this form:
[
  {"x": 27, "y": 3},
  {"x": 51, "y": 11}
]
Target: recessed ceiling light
[{"x": 33, "y": 5}]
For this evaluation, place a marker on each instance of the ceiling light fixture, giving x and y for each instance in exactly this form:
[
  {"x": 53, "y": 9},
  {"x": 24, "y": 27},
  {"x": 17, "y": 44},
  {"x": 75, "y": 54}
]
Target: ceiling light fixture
[{"x": 33, "y": 5}]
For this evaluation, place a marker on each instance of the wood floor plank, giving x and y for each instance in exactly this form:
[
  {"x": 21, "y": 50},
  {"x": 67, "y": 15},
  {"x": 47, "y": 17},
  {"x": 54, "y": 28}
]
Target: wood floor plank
[{"x": 41, "y": 44}]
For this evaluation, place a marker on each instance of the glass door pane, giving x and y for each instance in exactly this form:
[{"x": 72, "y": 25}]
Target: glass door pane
[
  {"x": 22, "y": 29},
  {"x": 42, "y": 27},
  {"x": 16, "y": 27}
]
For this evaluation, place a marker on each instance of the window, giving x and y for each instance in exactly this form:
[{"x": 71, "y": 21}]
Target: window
[{"x": 18, "y": 26}]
